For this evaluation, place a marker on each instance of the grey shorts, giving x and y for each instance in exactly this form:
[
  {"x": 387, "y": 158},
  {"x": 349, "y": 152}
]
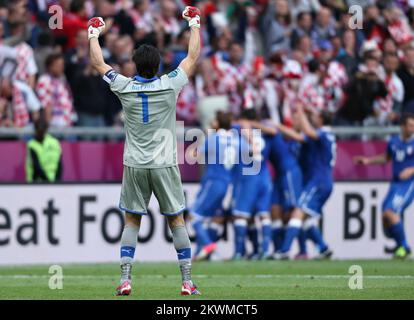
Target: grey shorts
[{"x": 138, "y": 184}]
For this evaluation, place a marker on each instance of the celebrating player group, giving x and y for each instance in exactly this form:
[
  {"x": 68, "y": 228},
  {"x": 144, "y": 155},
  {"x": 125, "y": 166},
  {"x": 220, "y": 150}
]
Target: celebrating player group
[
  {"x": 280, "y": 177},
  {"x": 288, "y": 206}
]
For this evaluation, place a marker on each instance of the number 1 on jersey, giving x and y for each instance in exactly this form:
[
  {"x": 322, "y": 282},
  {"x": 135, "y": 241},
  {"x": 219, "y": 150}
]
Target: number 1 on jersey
[{"x": 145, "y": 114}]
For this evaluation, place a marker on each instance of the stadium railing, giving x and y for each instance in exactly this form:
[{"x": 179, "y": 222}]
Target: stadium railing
[{"x": 118, "y": 132}]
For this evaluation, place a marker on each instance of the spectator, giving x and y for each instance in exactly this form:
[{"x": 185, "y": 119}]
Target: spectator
[
  {"x": 397, "y": 26},
  {"x": 390, "y": 47},
  {"x": 252, "y": 38},
  {"x": 324, "y": 27},
  {"x": 77, "y": 58},
  {"x": 73, "y": 21},
  {"x": 347, "y": 55},
  {"x": 277, "y": 27},
  {"x": 303, "y": 28},
  {"x": 333, "y": 77},
  {"x": 221, "y": 77},
  {"x": 168, "y": 10},
  {"x": 179, "y": 51},
  {"x": 43, "y": 155},
  {"x": 388, "y": 109},
  {"x": 373, "y": 25},
  {"x": 122, "y": 48},
  {"x": 88, "y": 83},
  {"x": 143, "y": 22},
  {"x": 43, "y": 50},
  {"x": 26, "y": 69},
  {"x": 362, "y": 92},
  {"x": 18, "y": 104},
  {"x": 299, "y": 6},
  {"x": 234, "y": 76},
  {"x": 406, "y": 74},
  {"x": 304, "y": 46},
  {"x": 187, "y": 104},
  {"x": 54, "y": 93},
  {"x": 362, "y": 3},
  {"x": 290, "y": 94}
]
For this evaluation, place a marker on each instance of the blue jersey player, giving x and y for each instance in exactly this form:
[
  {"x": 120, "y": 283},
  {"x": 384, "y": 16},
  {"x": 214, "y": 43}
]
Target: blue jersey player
[
  {"x": 318, "y": 159},
  {"x": 252, "y": 185},
  {"x": 287, "y": 185},
  {"x": 400, "y": 151},
  {"x": 219, "y": 153}
]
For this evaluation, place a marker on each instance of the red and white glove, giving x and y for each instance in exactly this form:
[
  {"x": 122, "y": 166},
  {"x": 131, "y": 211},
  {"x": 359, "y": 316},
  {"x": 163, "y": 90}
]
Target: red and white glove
[
  {"x": 192, "y": 15},
  {"x": 95, "y": 26}
]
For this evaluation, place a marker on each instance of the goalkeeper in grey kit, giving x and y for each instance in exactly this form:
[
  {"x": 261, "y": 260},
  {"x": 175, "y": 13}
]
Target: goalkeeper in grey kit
[{"x": 150, "y": 153}]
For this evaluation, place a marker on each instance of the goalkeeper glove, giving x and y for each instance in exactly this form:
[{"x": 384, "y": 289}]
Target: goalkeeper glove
[
  {"x": 95, "y": 26},
  {"x": 192, "y": 15}
]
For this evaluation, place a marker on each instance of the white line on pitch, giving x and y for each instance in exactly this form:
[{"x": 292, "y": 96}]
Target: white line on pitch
[{"x": 265, "y": 276}]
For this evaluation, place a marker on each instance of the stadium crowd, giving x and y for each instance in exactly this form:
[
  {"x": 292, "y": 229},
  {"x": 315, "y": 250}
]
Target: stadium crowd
[{"x": 269, "y": 55}]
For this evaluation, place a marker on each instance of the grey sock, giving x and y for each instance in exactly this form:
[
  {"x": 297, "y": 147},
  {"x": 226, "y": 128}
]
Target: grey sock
[
  {"x": 128, "y": 243},
  {"x": 183, "y": 247}
]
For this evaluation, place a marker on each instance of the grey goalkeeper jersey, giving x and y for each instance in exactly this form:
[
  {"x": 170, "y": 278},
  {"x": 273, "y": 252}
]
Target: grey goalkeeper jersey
[{"x": 149, "y": 107}]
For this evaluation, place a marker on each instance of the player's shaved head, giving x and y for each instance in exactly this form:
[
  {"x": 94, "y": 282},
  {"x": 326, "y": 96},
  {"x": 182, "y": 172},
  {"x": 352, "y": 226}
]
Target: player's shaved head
[
  {"x": 406, "y": 117},
  {"x": 326, "y": 117},
  {"x": 320, "y": 118},
  {"x": 407, "y": 125},
  {"x": 249, "y": 114},
  {"x": 147, "y": 61},
  {"x": 224, "y": 120}
]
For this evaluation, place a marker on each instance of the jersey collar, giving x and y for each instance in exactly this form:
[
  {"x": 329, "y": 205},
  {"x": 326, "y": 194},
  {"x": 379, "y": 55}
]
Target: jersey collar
[
  {"x": 144, "y": 80},
  {"x": 409, "y": 139}
]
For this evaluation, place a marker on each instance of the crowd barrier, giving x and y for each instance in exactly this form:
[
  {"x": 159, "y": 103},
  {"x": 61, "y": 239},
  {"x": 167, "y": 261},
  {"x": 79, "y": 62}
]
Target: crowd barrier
[
  {"x": 86, "y": 161},
  {"x": 79, "y": 223}
]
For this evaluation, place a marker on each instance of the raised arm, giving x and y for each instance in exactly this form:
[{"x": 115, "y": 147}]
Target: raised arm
[
  {"x": 290, "y": 133},
  {"x": 192, "y": 15},
  {"x": 305, "y": 125},
  {"x": 95, "y": 27},
  {"x": 378, "y": 159},
  {"x": 266, "y": 129}
]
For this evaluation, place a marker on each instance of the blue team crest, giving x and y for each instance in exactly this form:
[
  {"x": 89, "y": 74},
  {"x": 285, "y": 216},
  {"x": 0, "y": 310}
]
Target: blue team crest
[
  {"x": 409, "y": 150},
  {"x": 173, "y": 74}
]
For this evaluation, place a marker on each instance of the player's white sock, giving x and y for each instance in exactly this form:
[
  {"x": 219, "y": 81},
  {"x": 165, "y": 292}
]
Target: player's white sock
[
  {"x": 292, "y": 231},
  {"x": 183, "y": 247},
  {"x": 128, "y": 243}
]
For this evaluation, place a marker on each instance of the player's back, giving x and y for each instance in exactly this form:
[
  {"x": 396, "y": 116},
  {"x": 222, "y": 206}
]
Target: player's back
[
  {"x": 282, "y": 154},
  {"x": 220, "y": 155},
  {"x": 318, "y": 156},
  {"x": 149, "y": 107},
  {"x": 402, "y": 155},
  {"x": 254, "y": 158}
]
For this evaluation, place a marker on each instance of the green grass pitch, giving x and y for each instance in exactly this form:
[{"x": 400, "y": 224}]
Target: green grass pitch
[{"x": 218, "y": 280}]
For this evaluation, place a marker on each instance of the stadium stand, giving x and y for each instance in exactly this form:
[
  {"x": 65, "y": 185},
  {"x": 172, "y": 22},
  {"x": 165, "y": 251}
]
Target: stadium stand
[{"x": 261, "y": 54}]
